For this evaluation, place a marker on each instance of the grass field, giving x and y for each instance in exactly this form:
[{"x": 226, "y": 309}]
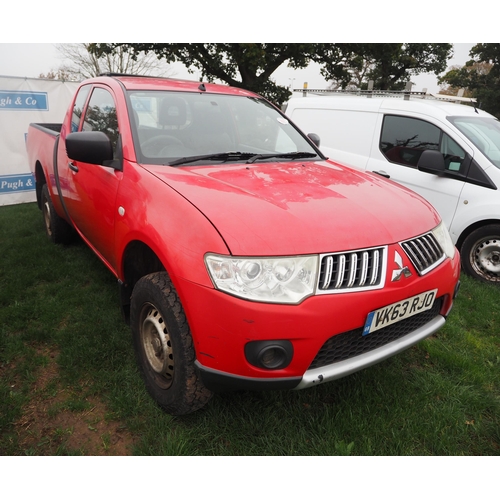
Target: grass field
[{"x": 69, "y": 383}]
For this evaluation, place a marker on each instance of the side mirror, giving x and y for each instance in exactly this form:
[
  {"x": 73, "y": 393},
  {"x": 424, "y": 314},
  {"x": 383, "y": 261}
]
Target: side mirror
[
  {"x": 315, "y": 138},
  {"x": 432, "y": 162},
  {"x": 89, "y": 147}
]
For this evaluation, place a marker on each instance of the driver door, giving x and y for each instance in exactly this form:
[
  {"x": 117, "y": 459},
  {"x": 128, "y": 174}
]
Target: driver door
[
  {"x": 402, "y": 141},
  {"x": 93, "y": 188}
]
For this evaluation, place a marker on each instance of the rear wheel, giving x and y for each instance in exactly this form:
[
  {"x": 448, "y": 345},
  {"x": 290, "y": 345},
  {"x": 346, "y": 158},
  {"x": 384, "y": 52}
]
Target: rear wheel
[
  {"x": 480, "y": 254},
  {"x": 57, "y": 229},
  {"x": 164, "y": 346}
]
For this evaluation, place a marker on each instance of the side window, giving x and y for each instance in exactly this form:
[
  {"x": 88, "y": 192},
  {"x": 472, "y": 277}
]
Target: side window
[
  {"x": 101, "y": 116},
  {"x": 78, "y": 107},
  {"x": 404, "y": 139},
  {"x": 453, "y": 154}
]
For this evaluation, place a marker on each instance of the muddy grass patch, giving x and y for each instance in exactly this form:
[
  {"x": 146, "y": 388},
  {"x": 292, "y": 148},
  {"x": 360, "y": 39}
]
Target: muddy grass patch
[{"x": 62, "y": 421}]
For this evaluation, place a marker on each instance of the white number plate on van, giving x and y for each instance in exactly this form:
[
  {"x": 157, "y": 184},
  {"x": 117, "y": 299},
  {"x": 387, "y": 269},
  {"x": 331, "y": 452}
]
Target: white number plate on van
[{"x": 398, "y": 311}]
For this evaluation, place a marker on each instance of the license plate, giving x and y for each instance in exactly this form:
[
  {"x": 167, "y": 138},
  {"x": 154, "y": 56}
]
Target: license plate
[{"x": 398, "y": 311}]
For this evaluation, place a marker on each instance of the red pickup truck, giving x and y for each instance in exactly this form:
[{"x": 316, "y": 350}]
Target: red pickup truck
[{"x": 245, "y": 258}]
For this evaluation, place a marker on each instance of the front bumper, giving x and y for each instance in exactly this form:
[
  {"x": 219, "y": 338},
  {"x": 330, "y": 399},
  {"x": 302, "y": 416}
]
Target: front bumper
[
  {"x": 343, "y": 368},
  {"x": 220, "y": 381},
  {"x": 223, "y": 325}
]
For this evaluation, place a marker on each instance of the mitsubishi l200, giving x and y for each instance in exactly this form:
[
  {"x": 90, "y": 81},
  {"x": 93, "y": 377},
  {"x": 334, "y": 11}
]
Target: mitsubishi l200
[{"x": 245, "y": 259}]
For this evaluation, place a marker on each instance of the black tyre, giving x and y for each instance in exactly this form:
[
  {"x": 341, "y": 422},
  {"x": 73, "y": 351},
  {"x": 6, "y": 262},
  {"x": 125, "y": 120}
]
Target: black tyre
[
  {"x": 480, "y": 253},
  {"x": 164, "y": 346},
  {"x": 57, "y": 229}
]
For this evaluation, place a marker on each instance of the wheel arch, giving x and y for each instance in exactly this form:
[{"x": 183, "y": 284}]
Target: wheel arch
[
  {"x": 138, "y": 261},
  {"x": 468, "y": 230}
]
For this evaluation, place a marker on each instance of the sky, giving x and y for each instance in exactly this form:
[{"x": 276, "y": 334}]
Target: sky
[
  {"x": 29, "y": 36},
  {"x": 32, "y": 59}
]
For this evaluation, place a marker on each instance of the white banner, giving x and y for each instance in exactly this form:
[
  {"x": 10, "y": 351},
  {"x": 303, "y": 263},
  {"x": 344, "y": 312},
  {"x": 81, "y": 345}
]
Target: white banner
[{"x": 24, "y": 101}]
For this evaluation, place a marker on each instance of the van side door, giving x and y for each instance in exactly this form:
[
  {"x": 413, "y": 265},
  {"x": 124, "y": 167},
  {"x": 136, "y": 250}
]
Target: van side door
[{"x": 397, "y": 150}]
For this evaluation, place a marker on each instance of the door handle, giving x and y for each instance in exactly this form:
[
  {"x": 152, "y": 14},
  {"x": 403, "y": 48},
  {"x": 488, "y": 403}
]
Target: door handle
[
  {"x": 382, "y": 173},
  {"x": 72, "y": 166}
]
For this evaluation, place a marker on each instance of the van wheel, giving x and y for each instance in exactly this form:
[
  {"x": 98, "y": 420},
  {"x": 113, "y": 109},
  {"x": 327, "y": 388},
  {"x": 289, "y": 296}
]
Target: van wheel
[
  {"x": 481, "y": 254},
  {"x": 57, "y": 229},
  {"x": 164, "y": 346}
]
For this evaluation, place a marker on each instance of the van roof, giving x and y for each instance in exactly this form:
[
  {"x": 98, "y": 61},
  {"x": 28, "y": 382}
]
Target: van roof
[{"x": 374, "y": 104}]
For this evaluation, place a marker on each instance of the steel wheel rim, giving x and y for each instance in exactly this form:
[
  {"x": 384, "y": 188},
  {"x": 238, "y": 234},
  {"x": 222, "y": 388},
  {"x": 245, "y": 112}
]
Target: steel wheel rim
[
  {"x": 46, "y": 216},
  {"x": 157, "y": 346},
  {"x": 485, "y": 258}
]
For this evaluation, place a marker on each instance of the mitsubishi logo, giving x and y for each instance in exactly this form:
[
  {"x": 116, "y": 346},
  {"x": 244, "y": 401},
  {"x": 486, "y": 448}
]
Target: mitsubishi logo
[{"x": 396, "y": 274}]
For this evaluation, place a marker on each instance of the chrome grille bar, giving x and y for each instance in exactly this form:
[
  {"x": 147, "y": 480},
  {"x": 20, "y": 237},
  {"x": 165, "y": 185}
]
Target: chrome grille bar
[
  {"x": 375, "y": 267},
  {"x": 364, "y": 268},
  {"x": 352, "y": 271},
  {"x": 328, "y": 272},
  {"x": 341, "y": 271},
  {"x": 433, "y": 244},
  {"x": 418, "y": 255},
  {"x": 424, "y": 252}
]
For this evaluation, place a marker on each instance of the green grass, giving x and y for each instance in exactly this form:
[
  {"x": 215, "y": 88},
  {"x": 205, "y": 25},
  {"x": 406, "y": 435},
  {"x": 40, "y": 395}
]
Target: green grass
[{"x": 59, "y": 316}]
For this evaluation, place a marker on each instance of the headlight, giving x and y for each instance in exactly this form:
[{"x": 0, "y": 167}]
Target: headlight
[
  {"x": 286, "y": 280},
  {"x": 444, "y": 239}
]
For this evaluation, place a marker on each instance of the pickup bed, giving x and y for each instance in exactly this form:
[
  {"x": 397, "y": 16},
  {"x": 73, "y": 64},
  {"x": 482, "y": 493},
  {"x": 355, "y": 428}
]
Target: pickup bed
[{"x": 245, "y": 258}]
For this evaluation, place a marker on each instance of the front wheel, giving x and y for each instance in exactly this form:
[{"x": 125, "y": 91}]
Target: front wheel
[
  {"x": 480, "y": 254},
  {"x": 164, "y": 346}
]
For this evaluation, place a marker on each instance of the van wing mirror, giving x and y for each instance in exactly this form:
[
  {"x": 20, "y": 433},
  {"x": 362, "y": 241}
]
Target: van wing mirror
[
  {"x": 89, "y": 147},
  {"x": 432, "y": 162},
  {"x": 315, "y": 138}
]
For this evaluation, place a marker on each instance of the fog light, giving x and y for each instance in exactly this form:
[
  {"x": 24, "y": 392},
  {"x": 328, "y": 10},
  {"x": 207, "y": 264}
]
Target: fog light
[
  {"x": 272, "y": 357},
  {"x": 269, "y": 354}
]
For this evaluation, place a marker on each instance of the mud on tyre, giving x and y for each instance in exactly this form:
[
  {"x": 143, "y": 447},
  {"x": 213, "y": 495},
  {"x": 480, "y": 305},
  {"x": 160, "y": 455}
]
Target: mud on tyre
[{"x": 164, "y": 346}]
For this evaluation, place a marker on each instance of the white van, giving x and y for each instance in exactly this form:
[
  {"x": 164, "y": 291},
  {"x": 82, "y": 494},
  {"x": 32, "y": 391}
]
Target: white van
[{"x": 447, "y": 152}]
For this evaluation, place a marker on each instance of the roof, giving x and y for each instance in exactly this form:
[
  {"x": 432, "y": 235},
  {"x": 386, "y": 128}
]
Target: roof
[
  {"x": 132, "y": 82},
  {"x": 381, "y": 103}
]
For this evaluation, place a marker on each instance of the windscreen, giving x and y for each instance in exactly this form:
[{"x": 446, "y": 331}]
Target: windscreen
[
  {"x": 172, "y": 125},
  {"x": 483, "y": 132}
]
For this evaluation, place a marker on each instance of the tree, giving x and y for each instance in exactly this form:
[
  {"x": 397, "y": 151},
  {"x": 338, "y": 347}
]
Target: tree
[
  {"x": 83, "y": 63},
  {"x": 245, "y": 65},
  {"x": 448, "y": 89},
  {"x": 358, "y": 78},
  {"x": 250, "y": 65},
  {"x": 480, "y": 75},
  {"x": 59, "y": 74},
  {"x": 389, "y": 65}
]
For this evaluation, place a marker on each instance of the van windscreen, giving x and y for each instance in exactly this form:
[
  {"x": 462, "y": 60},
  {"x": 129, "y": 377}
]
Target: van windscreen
[{"x": 483, "y": 132}]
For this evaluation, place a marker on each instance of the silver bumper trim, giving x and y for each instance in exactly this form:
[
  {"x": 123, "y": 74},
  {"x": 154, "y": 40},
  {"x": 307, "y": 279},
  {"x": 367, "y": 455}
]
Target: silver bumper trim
[{"x": 343, "y": 368}]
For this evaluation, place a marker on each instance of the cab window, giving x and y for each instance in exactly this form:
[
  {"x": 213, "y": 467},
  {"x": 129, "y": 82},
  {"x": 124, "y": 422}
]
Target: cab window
[
  {"x": 78, "y": 107},
  {"x": 404, "y": 139},
  {"x": 101, "y": 116}
]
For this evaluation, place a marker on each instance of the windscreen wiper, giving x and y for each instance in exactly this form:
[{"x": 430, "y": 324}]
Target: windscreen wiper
[
  {"x": 297, "y": 154},
  {"x": 230, "y": 155},
  {"x": 238, "y": 155}
]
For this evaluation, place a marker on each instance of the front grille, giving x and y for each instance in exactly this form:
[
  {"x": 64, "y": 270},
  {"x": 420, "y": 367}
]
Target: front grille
[
  {"x": 350, "y": 271},
  {"x": 424, "y": 252},
  {"x": 352, "y": 343}
]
